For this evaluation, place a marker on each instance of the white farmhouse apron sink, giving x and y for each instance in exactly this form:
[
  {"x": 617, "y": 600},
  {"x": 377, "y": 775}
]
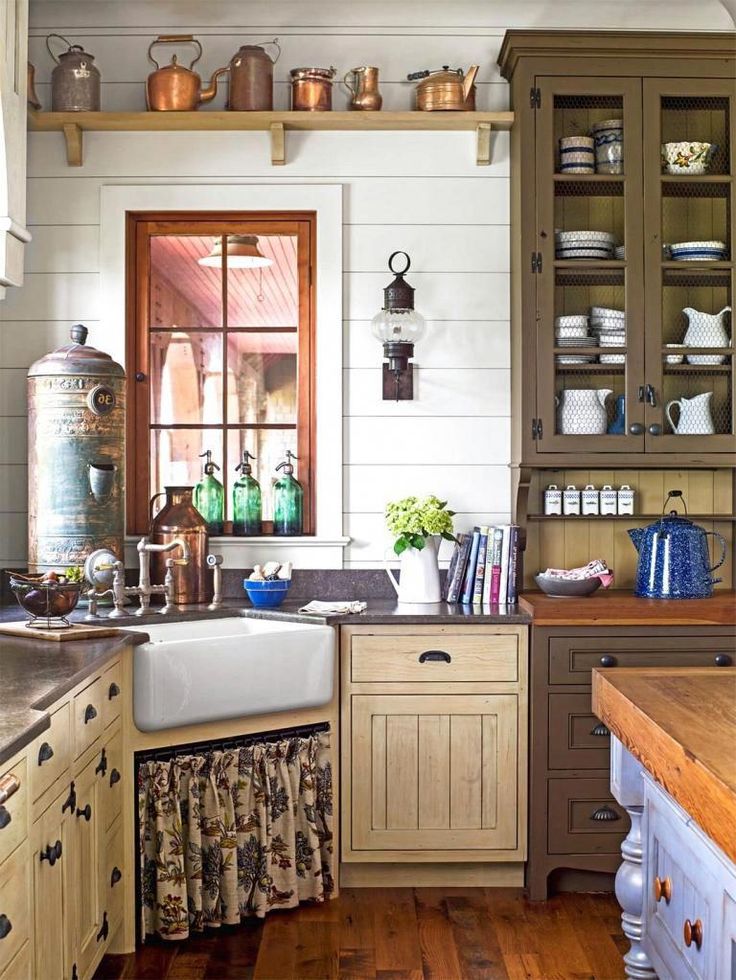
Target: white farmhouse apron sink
[{"x": 213, "y": 669}]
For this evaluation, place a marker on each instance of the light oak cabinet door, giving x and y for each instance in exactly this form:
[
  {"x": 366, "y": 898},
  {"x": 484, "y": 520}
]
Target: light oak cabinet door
[
  {"x": 54, "y": 885},
  {"x": 85, "y": 907},
  {"x": 434, "y": 773}
]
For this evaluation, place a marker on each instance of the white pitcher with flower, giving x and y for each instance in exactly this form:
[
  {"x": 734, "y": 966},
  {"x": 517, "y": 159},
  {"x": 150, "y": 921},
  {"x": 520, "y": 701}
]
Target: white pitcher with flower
[{"x": 418, "y": 524}]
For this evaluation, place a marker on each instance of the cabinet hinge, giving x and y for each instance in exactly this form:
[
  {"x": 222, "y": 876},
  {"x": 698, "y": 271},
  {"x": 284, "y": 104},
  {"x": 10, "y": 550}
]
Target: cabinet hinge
[
  {"x": 535, "y": 98},
  {"x": 536, "y": 262},
  {"x": 536, "y": 428}
]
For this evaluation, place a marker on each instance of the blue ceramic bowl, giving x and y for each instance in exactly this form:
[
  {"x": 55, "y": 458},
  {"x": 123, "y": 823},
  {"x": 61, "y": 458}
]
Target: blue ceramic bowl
[{"x": 266, "y": 595}]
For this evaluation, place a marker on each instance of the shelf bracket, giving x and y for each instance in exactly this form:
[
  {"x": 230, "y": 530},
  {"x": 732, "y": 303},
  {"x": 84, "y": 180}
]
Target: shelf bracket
[
  {"x": 278, "y": 145},
  {"x": 74, "y": 144},
  {"x": 483, "y": 138}
]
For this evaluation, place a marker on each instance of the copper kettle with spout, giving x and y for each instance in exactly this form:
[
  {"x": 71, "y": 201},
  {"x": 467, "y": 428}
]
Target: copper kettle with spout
[
  {"x": 175, "y": 88},
  {"x": 447, "y": 89}
]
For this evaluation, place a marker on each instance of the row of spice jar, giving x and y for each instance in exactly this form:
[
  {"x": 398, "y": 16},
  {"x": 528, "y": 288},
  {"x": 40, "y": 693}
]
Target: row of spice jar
[{"x": 588, "y": 502}]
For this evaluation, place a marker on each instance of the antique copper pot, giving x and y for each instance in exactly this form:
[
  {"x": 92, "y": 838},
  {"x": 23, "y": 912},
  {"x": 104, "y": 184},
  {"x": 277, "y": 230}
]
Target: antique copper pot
[
  {"x": 311, "y": 89},
  {"x": 251, "y": 78},
  {"x": 179, "y": 518},
  {"x": 175, "y": 88},
  {"x": 448, "y": 89}
]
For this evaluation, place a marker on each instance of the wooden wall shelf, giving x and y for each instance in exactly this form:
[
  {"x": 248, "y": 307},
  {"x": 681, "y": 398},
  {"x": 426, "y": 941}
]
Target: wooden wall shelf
[{"x": 74, "y": 124}]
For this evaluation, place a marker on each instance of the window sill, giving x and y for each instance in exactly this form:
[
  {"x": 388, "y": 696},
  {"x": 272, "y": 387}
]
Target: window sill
[{"x": 305, "y": 551}]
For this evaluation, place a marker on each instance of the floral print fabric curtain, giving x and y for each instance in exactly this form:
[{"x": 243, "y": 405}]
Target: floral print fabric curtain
[{"x": 234, "y": 833}]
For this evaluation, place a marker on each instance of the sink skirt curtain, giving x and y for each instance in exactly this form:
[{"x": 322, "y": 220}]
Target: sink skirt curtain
[{"x": 234, "y": 833}]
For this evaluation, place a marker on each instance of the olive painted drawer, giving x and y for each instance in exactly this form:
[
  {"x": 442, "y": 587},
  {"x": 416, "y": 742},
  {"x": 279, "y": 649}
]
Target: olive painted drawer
[
  {"x": 577, "y": 740},
  {"x": 571, "y": 659},
  {"x": 583, "y": 817}
]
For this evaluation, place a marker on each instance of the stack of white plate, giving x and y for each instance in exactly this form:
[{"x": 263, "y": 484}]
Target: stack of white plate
[
  {"x": 576, "y": 342},
  {"x": 584, "y": 244},
  {"x": 620, "y": 252},
  {"x": 712, "y": 251},
  {"x": 571, "y": 326}
]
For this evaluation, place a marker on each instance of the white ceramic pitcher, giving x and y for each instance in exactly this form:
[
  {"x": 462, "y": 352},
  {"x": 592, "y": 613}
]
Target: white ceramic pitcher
[
  {"x": 706, "y": 330},
  {"x": 582, "y": 411},
  {"x": 695, "y": 415},
  {"x": 420, "y": 574}
]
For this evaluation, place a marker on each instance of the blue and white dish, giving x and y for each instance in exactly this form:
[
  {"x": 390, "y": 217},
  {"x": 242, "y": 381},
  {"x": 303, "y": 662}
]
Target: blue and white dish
[
  {"x": 577, "y": 155},
  {"x": 712, "y": 251},
  {"x": 584, "y": 245},
  {"x": 609, "y": 146}
]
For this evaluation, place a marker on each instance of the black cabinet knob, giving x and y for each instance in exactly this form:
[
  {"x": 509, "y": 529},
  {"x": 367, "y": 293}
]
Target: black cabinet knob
[
  {"x": 85, "y": 812},
  {"x": 115, "y": 877},
  {"x": 52, "y": 853},
  {"x": 723, "y": 660},
  {"x": 112, "y": 691},
  {"x": 607, "y": 660},
  {"x": 71, "y": 800},
  {"x": 655, "y": 429},
  {"x": 114, "y": 777},
  {"x": 636, "y": 429},
  {"x": 604, "y": 814},
  {"x": 5, "y": 926},
  {"x": 102, "y": 764},
  {"x": 75, "y": 974},
  {"x": 600, "y": 730},
  {"x": 5, "y": 817},
  {"x": 140, "y": 376},
  {"x": 90, "y": 713},
  {"x": 45, "y": 753},
  {"x": 105, "y": 928}
]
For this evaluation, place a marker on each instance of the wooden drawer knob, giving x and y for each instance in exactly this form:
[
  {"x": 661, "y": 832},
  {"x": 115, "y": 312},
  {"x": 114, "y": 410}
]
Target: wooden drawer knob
[
  {"x": 663, "y": 889},
  {"x": 693, "y": 933}
]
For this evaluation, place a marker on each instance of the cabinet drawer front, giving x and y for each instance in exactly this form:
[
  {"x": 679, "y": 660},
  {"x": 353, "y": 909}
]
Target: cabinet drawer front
[
  {"x": 577, "y": 739},
  {"x": 571, "y": 659},
  {"x": 457, "y": 657},
  {"x": 87, "y": 716},
  {"x": 574, "y": 808},
  {"x": 43, "y": 770},
  {"x": 112, "y": 689},
  {"x": 111, "y": 779},
  {"x": 674, "y": 851},
  {"x": 15, "y": 904},
  {"x": 434, "y": 773},
  {"x": 14, "y": 812},
  {"x": 112, "y": 885}
]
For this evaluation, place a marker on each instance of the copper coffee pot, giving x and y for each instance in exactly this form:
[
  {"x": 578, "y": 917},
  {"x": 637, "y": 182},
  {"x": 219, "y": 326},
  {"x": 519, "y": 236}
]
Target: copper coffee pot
[
  {"x": 175, "y": 88},
  {"x": 446, "y": 89}
]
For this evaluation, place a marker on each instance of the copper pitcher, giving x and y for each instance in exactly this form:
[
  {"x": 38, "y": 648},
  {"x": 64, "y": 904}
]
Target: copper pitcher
[
  {"x": 175, "y": 88},
  {"x": 251, "y": 78},
  {"x": 363, "y": 88},
  {"x": 179, "y": 518},
  {"x": 447, "y": 89}
]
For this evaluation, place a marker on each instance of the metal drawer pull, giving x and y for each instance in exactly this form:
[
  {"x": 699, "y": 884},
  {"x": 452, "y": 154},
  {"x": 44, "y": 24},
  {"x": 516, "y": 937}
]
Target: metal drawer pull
[
  {"x": 114, "y": 777},
  {"x": 85, "y": 812},
  {"x": 5, "y": 926},
  {"x": 90, "y": 713},
  {"x": 5, "y": 817},
  {"x": 605, "y": 814},
  {"x": 723, "y": 660},
  {"x": 9, "y": 784},
  {"x": 102, "y": 764},
  {"x": 112, "y": 691},
  {"x": 692, "y": 932},
  {"x": 435, "y": 656},
  {"x": 600, "y": 730},
  {"x": 608, "y": 661},
  {"x": 71, "y": 800},
  {"x": 115, "y": 877},
  {"x": 102, "y": 934},
  {"x": 44, "y": 753},
  {"x": 663, "y": 889},
  {"x": 52, "y": 853}
]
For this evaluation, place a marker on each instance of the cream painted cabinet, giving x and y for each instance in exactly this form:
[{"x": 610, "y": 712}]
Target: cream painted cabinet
[
  {"x": 53, "y": 887},
  {"x": 13, "y": 87},
  {"x": 434, "y": 744},
  {"x": 86, "y": 906}
]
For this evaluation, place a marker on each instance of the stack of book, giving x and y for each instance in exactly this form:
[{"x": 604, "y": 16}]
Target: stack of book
[{"x": 483, "y": 567}]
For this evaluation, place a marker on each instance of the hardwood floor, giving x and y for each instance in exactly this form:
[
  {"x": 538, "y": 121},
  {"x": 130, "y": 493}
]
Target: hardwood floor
[{"x": 401, "y": 934}]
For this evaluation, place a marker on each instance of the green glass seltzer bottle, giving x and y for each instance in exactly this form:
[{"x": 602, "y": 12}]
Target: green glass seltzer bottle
[
  {"x": 209, "y": 496},
  {"x": 288, "y": 500},
  {"x": 247, "y": 503}
]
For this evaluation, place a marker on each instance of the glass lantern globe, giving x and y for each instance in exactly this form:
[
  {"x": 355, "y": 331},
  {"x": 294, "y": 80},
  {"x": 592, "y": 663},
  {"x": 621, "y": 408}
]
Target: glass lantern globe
[{"x": 404, "y": 326}]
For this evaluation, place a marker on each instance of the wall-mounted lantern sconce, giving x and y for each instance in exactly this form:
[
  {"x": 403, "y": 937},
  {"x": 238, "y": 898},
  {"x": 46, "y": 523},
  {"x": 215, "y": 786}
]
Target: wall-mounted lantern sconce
[{"x": 398, "y": 326}]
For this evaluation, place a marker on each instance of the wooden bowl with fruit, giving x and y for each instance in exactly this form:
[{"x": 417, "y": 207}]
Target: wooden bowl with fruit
[{"x": 48, "y": 598}]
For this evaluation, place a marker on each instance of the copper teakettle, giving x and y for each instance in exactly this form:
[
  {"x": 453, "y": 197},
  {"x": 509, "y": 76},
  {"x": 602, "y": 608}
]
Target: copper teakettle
[
  {"x": 448, "y": 88},
  {"x": 175, "y": 88},
  {"x": 251, "y": 78}
]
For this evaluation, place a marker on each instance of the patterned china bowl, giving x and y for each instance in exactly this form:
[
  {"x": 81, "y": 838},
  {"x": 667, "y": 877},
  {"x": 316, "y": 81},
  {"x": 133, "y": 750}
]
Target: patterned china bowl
[{"x": 687, "y": 157}]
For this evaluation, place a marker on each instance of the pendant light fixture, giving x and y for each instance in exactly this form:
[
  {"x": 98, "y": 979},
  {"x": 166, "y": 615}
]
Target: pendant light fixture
[
  {"x": 242, "y": 253},
  {"x": 398, "y": 326}
]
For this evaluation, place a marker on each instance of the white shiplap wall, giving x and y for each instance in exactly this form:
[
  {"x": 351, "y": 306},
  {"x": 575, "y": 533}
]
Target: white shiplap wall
[{"x": 418, "y": 192}]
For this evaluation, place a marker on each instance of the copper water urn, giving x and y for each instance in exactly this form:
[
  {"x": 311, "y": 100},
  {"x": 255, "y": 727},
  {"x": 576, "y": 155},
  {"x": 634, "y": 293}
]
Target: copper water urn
[
  {"x": 179, "y": 518},
  {"x": 76, "y": 464}
]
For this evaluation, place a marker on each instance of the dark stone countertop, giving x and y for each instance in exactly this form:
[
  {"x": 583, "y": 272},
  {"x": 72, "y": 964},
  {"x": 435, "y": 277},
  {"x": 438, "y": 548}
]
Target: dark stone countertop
[{"x": 388, "y": 612}]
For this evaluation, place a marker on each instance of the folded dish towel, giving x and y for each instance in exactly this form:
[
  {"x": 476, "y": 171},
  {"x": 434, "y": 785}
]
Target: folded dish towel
[
  {"x": 594, "y": 569},
  {"x": 339, "y": 607}
]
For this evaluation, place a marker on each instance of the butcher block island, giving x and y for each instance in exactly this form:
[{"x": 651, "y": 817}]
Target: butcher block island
[{"x": 673, "y": 768}]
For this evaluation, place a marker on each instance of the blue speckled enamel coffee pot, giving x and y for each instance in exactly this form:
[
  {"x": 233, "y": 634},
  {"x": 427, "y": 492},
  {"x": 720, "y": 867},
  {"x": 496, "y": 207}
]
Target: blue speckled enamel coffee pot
[{"x": 674, "y": 562}]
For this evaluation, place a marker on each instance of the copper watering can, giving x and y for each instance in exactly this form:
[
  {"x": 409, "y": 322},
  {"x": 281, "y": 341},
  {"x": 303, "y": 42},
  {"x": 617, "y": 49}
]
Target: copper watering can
[
  {"x": 175, "y": 88},
  {"x": 447, "y": 89}
]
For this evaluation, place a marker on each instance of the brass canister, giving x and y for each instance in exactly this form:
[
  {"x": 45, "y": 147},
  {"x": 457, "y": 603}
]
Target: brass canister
[
  {"x": 76, "y": 461},
  {"x": 75, "y": 82},
  {"x": 311, "y": 89},
  {"x": 179, "y": 518}
]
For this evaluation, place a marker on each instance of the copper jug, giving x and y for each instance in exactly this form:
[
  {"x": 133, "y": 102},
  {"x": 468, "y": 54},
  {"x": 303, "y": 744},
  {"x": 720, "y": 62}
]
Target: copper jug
[
  {"x": 175, "y": 88},
  {"x": 251, "y": 78},
  {"x": 75, "y": 82},
  {"x": 311, "y": 89},
  {"x": 364, "y": 88},
  {"x": 179, "y": 518},
  {"x": 448, "y": 89}
]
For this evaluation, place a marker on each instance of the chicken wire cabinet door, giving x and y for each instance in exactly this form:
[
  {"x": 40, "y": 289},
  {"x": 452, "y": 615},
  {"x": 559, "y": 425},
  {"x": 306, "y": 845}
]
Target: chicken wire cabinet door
[{"x": 433, "y": 773}]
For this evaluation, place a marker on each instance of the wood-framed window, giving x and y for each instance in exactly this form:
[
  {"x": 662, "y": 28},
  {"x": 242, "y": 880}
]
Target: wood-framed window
[{"x": 219, "y": 357}]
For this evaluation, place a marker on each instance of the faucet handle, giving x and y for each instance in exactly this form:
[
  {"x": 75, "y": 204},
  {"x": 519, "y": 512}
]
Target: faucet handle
[{"x": 179, "y": 561}]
